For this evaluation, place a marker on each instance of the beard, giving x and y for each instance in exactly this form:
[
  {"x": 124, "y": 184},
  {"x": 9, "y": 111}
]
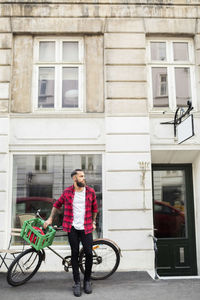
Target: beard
[{"x": 81, "y": 184}]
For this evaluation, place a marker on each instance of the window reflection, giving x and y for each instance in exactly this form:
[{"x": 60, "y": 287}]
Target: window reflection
[
  {"x": 70, "y": 87},
  {"x": 183, "y": 86},
  {"x": 180, "y": 51},
  {"x": 46, "y": 87},
  {"x": 158, "y": 51},
  {"x": 37, "y": 184},
  {"x": 171, "y": 67},
  {"x": 47, "y": 51},
  {"x": 160, "y": 87},
  {"x": 70, "y": 51},
  {"x": 169, "y": 203}
]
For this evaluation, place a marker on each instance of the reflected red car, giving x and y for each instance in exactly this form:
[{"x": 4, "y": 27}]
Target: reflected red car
[
  {"x": 28, "y": 205},
  {"x": 32, "y": 204},
  {"x": 169, "y": 222}
]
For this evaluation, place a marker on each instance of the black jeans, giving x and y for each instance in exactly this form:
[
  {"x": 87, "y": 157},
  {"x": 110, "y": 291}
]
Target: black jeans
[{"x": 75, "y": 237}]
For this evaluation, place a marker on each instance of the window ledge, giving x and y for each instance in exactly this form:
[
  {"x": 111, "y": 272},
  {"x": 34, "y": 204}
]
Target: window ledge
[
  {"x": 169, "y": 113},
  {"x": 164, "y": 112},
  {"x": 56, "y": 115}
]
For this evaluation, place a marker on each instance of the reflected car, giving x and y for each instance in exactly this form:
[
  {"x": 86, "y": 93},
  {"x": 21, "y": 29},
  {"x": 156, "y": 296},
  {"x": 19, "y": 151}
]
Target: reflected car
[
  {"x": 169, "y": 222},
  {"x": 32, "y": 204}
]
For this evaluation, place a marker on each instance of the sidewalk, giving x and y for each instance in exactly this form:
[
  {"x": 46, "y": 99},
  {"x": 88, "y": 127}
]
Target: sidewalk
[{"x": 120, "y": 286}]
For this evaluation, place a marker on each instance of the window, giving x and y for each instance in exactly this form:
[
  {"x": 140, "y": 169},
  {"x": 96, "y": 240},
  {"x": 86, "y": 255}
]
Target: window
[
  {"x": 170, "y": 208},
  {"x": 58, "y": 74},
  {"x": 36, "y": 187},
  {"x": 171, "y": 73},
  {"x": 41, "y": 163}
]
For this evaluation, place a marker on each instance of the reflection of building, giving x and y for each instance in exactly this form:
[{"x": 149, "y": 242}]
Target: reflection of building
[
  {"x": 43, "y": 179},
  {"x": 98, "y": 79},
  {"x": 169, "y": 186}
]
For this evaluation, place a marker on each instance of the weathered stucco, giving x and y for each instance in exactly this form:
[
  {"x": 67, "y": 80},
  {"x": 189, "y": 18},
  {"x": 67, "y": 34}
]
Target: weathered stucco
[
  {"x": 22, "y": 74},
  {"x": 115, "y": 37},
  {"x": 94, "y": 74}
]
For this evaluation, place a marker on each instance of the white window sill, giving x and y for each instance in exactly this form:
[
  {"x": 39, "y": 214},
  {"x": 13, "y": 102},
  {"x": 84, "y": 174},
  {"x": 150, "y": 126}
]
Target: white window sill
[{"x": 56, "y": 114}]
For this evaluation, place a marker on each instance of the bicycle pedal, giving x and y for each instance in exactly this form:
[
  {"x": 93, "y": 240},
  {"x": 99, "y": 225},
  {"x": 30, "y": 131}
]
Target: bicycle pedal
[{"x": 66, "y": 269}]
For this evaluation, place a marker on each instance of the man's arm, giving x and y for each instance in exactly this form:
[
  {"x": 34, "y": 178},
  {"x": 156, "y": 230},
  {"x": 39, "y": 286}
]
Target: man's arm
[
  {"x": 94, "y": 210},
  {"x": 94, "y": 215},
  {"x": 49, "y": 221}
]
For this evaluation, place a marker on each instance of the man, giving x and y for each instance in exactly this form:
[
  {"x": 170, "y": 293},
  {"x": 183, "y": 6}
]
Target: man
[{"x": 80, "y": 211}]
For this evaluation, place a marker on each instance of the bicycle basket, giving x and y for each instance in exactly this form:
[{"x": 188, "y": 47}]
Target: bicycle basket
[{"x": 38, "y": 238}]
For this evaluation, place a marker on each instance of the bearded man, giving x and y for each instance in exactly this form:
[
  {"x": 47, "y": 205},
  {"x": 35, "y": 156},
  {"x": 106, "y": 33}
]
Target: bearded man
[{"x": 80, "y": 211}]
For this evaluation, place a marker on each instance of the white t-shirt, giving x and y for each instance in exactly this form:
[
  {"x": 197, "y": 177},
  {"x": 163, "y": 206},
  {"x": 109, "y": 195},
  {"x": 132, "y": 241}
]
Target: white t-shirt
[{"x": 79, "y": 210}]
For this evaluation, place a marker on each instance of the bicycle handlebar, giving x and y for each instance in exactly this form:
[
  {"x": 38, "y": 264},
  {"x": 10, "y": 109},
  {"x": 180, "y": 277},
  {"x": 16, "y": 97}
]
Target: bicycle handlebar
[
  {"x": 153, "y": 237},
  {"x": 37, "y": 214}
]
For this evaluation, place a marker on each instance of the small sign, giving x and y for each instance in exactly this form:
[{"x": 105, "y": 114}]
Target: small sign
[{"x": 185, "y": 129}]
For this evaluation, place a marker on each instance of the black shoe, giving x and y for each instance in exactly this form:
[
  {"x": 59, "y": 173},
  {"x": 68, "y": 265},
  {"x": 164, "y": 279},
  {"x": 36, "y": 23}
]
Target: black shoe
[
  {"x": 77, "y": 289},
  {"x": 87, "y": 285}
]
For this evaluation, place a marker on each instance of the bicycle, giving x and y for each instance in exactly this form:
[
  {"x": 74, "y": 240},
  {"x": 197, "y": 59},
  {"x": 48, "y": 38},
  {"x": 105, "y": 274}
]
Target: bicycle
[
  {"x": 106, "y": 259},
  {"x": 156, "y": 276}
]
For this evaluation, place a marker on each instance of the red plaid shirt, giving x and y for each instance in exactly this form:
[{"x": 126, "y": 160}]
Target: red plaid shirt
[{"x": 67, "y": 198}]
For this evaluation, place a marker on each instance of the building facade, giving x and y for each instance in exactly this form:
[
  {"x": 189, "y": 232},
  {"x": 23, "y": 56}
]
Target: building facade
[{"x": 87, "y": 84}]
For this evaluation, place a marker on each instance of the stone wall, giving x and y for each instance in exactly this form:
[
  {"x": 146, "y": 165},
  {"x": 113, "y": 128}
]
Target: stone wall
[
  {"x": 120, "y": 30},
  {"x": 5, "y": 63}
]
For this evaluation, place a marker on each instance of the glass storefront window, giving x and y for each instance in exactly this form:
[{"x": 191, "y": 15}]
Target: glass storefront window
[{"x": 40, "y": 180}]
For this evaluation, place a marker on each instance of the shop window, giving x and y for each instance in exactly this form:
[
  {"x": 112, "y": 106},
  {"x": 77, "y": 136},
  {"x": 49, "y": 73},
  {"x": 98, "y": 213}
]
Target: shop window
[
  {"x": 58, "y": 74},
  {"x": 171, "y": 73},
  {"x": 34, "y": 190}
]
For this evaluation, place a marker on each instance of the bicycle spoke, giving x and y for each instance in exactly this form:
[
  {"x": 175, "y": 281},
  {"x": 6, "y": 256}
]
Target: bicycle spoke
[
  {"x": 24, "y": 267},
  {"x": 105, "y": 259}
]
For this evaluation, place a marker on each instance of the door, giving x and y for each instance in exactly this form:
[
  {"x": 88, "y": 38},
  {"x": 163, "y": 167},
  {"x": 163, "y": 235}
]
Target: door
[{"x": 174, "y": 220}]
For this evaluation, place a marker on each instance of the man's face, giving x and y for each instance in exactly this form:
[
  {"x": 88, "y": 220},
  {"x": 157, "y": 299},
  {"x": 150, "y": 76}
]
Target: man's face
[{"x": 79, "y": 178}]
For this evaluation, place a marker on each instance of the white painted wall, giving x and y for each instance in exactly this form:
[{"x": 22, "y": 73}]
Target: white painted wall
[
  {"x": 127, "y": 202},
  {"x": 126, "y": 140},
  {"x": 4, "y": 174},
  {"x": 196, "y": 180}
]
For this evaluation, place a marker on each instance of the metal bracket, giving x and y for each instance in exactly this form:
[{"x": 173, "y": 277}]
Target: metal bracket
[{"x": 177, "y": 120}]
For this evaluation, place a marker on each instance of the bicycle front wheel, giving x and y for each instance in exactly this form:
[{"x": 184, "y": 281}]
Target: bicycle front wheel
[
  {"x": 106, "y": 258},
  {"x": 24, "y": 267}
]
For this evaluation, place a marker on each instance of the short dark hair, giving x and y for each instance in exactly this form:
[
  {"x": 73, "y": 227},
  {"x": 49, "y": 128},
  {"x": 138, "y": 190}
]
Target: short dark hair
[{"x": 75, "y": 172}]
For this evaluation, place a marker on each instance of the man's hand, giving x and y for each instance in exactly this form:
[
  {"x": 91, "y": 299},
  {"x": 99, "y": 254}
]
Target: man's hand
[{"x": 47, "y": 222}]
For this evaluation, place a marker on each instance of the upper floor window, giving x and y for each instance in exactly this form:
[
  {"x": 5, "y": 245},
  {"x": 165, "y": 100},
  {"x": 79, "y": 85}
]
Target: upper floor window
[
  {"x": 171, "y": 72},
  {"x": 58, "y": 74}
]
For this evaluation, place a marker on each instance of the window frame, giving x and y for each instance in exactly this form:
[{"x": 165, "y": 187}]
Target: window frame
[
  {"x": 58, "y": 66},
  {"x": 171, "y": 65}
]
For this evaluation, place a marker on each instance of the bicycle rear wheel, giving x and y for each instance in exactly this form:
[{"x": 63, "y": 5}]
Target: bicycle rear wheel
[
  {"x": 24, "y": 267},
  {"x": 106, "y": 258}
]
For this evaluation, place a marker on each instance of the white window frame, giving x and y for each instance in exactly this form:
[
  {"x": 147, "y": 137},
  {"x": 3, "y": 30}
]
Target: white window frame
[
  {"x": 170, "y": 65},
  {"x": 58, "y": 64}
]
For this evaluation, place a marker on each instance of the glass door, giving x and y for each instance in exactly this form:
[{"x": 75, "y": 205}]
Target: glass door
[{"x": 174, "y": 219}]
